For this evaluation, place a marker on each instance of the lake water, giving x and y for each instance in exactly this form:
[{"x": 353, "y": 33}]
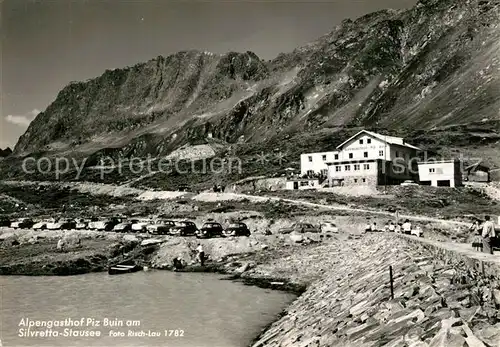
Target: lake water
[{"x": 155, "y": 308}]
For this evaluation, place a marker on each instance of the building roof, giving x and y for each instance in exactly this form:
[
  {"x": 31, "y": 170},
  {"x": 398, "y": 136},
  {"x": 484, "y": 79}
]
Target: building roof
[
  {"x": 392, "y": 140},
  {"x": 477, "y": 167},
  {"x": 316, "y": 153},
  {"x": 450, "y": 161}
]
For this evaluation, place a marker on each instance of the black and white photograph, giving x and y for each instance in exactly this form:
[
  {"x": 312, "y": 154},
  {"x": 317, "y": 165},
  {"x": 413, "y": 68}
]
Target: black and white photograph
[{"x": 250, "y": 173}]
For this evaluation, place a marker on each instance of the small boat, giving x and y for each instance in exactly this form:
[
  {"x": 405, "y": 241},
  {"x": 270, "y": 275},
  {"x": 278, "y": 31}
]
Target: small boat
[{"x": 124, "y": 269}]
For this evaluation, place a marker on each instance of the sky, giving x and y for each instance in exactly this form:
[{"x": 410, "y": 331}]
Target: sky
[{"x": 45, "y": 44}]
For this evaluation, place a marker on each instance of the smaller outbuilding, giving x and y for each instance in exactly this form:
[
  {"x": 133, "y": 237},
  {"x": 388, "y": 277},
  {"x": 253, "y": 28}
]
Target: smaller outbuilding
[
  {"x": 443, "y": 173},
  {"x": 476, "y": 173},
  {"x": 302, "y": 183}
]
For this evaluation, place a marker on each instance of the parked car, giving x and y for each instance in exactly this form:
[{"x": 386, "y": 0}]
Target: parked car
[
  {"x": 210, "y": 229},
  {"x": 62, "y": 224},
  {"x": 92, "y": 224},
  {"x": 42, "y": 225},
  {"x": 22, "y": 223},
  {"x": 328, "y": 227},
  {"x": 409, "y": 183},
  {"x": 51, "y": 224},
  {"x": 82, "y": 224},
  {"x": 237, "y": 229},
  {"x": 125, "y": 227},
  {"x": 107, "y": 224},
  {"x": 160, "y": 227},
  {"x": 184, "y": 228},
  {"x": 68, "y": 224},
  {"x": 299, "y": 228},
  {"x": 5, "y": 222},
  {"x": 140, "y": 226}
]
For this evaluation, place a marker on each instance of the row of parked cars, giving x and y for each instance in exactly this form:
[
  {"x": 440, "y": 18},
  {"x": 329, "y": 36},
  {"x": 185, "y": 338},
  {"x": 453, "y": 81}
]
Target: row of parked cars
[
  {"x": 302, "y": 227},
  {"x": 121, "y": 225},
  {"x": 160, "y": 226}
]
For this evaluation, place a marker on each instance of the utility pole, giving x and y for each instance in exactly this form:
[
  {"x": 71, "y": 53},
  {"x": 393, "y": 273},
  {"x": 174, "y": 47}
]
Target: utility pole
[
  {"x": 391, "y": 281},
  {"x": 385, "y": 164}
]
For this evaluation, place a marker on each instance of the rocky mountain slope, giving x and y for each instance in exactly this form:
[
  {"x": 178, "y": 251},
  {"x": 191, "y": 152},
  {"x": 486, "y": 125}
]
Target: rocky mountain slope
[{"x": 429, "y": 67}]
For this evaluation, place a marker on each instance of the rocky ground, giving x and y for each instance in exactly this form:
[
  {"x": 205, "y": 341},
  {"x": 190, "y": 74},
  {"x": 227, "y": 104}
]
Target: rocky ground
[
  {"x": 350, "y": 304},
  {"x": 26, "y": 252}
]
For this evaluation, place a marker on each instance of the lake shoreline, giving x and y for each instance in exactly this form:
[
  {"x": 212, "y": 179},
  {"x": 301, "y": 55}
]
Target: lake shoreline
[
  {"x": 41, "y": 258},
  {"x": 88, "y": 257}
]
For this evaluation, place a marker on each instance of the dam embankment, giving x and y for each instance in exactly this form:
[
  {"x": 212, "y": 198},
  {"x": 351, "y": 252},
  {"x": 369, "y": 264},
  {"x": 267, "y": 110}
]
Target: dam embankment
[{"x": 443, "y": 295}]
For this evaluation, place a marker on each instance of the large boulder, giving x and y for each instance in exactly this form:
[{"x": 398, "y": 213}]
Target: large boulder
[
  {"x": 150, "y": 242},
  {"x": 69, "y": 241},
  {"x": 130, "y": 238}
]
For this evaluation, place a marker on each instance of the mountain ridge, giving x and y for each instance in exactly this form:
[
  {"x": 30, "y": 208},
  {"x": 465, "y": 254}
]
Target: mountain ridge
[{"x": 427, "y": 67}]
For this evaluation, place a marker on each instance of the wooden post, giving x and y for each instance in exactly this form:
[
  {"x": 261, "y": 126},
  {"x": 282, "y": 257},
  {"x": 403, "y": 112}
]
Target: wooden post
[{"x": 392, "y": 283}]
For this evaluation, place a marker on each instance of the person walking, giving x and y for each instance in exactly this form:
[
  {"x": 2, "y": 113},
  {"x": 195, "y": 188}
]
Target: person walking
[
  {"x": 475, "y": 229},
  {"x": 368, "y": 226},
  {"x": 488, "y": 234},
  {"x": 201, "y": 254}
]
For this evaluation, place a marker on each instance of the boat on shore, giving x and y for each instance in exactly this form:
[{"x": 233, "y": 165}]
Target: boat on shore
[{"x": 124, "y": 268}]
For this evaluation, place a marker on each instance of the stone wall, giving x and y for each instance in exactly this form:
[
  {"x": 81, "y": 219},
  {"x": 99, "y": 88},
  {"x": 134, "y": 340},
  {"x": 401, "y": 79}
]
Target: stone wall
[
  {"x": 436, "y": 303},
  {"x": 459, "y": 255},
  {"x": 272, "y": 184},
  {"x": 370, "y": 180}
]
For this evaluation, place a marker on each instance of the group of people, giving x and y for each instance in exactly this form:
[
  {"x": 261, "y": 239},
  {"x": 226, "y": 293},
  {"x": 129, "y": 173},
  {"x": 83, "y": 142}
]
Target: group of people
[
  {"x": 485, "y": 234},
  {"x": 390, "y": 226},
  {"x": 218, "y": 188},
  {"x": 179, "y": 264}
]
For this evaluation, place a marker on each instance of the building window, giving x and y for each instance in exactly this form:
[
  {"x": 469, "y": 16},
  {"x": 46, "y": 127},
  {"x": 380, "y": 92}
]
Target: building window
[
  {"x": 355, "y": 180},
  {"x": 336, "y": 156},
  {"x": 361, "y": 141},
  {"x": 347, "y": 168},
  {"x": 381, "y": 153},
  {"x": 432, "y": 170},
  {"x": 364, "y": 180},
  {"x": 310, "y": 158},
  {"x": 337, "y": 168},
  {"x": 365, "y": 154},
  {"x": 304, "y": 183},
  {"x": 366, "y": 166},
  {"x": 368, "y": 141},
  {"x": 324, "y": 157},
  {"x": 356, "y": 167},
  {"x": 351, "y": 155},
  {"x": 397, "y": 154}
]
